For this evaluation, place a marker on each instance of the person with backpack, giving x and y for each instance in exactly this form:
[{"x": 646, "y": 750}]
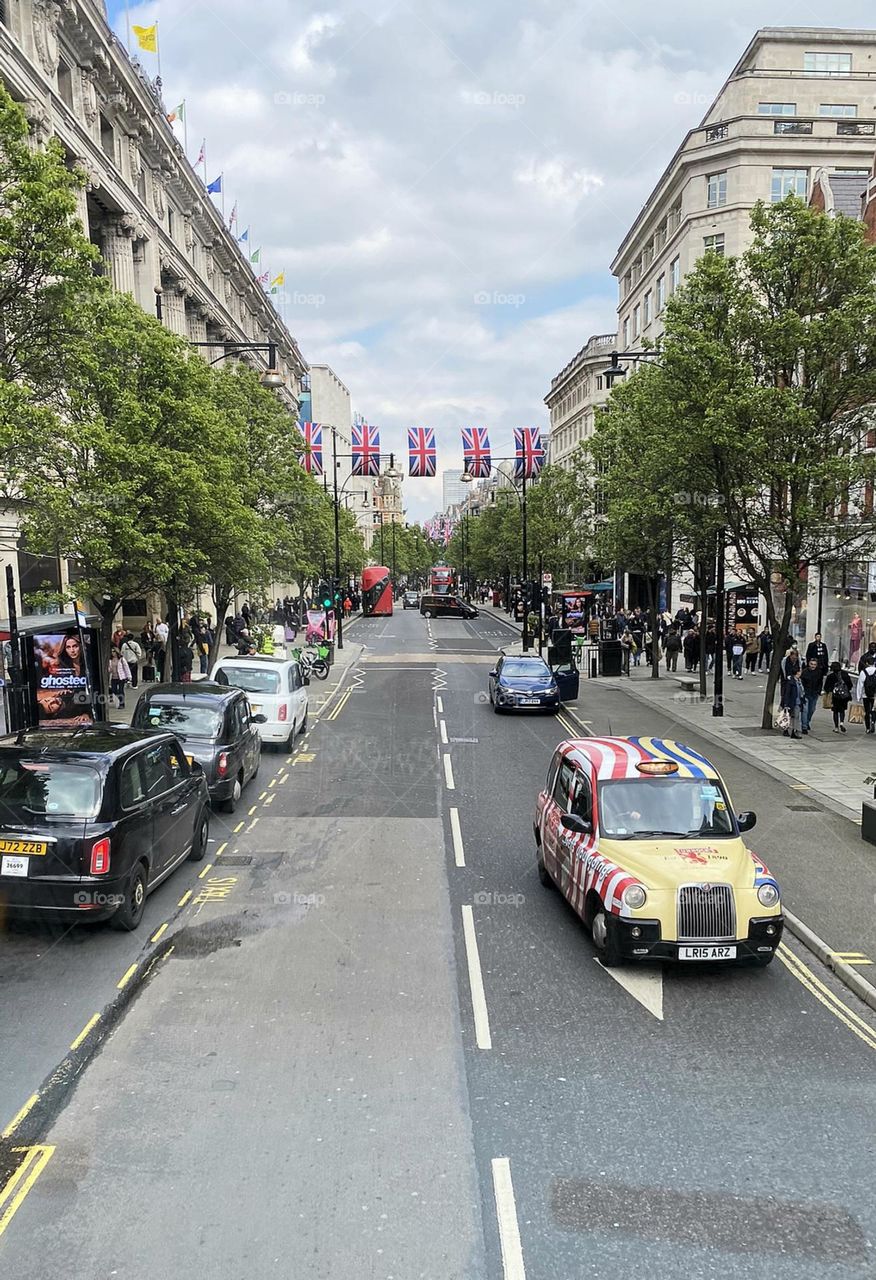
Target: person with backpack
[
  {"x": 738, "y": 654},
  {"x": 132, "y": 653},
  {"x": 672, "y": 647},
  {"x": 839, "y": 685},
  {"x": 866, "y": 693},
  {"x": 812, "y": 679}
]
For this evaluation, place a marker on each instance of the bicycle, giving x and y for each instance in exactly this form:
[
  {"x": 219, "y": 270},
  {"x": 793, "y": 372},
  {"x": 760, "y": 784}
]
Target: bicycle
[{"x": 311, "y": 665}]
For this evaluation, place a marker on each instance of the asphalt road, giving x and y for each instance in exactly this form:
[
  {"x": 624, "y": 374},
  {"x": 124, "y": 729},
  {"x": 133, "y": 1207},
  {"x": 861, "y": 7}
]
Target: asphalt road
[{"x": 372, "y": 1044}]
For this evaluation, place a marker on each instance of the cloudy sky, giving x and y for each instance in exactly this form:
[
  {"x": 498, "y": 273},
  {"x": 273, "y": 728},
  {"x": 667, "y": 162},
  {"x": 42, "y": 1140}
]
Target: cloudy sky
[{"x": 445, "y": 183}]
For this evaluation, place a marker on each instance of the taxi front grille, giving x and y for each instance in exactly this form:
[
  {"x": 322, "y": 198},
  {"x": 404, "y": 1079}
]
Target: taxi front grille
[{"x": 706, "y": 911}]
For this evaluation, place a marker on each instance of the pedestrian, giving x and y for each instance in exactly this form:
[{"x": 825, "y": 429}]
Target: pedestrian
[
  {"x": 672, "y": 647},
  {"x": 691, "y": 648},
  {"x": 765, "y": 640},
  {"x": 839, "y": 685},
  {"x": 185, "y": 657},
  {"x": 200, "y": 641},
  {"x": 348, "y": 606},
  {"x": 752, "y": 650},
  {"x": 246, "y": 612},
  {"x": 866, "y": 692},
  {"x": 790, "y": 665},
  {"x": 119, "y": 674},
  {"x": 812, "y": 680},
  {"x": 626, "y": 649},
  {"x": 162, "y": 632},
  {"x": 729, "y": 641},
  {"x": 132, "y": 653},
  {"x": 711, "y": 646},
  {"x": 637, "y": 631},
  {"x": 738, "y": 654},
  {"x": 118, "y": 637},
  {"x": 817, "y": 649},
  {"x": 868, "y": 657}
]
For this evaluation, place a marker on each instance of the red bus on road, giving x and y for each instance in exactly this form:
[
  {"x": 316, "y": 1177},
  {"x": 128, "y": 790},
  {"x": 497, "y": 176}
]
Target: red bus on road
[
  {"x": 442, "y": 580},
  {"x": 376, "y": 592}
]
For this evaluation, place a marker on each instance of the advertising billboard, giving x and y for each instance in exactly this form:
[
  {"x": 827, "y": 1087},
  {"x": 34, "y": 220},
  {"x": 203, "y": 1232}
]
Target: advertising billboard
[{"x": 62, "y": 681}]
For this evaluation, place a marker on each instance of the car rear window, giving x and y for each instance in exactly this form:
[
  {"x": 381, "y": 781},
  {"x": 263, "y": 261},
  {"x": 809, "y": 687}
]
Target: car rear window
[
  {"x": 47, "y": 787},
  {"x": 186, "y": 719},
  {"x": 250, "y": 679}
]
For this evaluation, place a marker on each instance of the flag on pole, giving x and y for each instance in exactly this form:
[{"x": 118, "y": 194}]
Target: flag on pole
[
  {"x": 311, "y": 458},
  {"x": 147, "y": 37},
  {"x": 421, "y": 452},
  {"x": 278, "y": 282},
  {"x": 245, "y": 236},
  {"x": 214, "y": 188},
  {"x": 232, "y": 220},
  {"x": 366, "y": 450},
  {"x": 476, "y": 452},
  {"x": 178, "y": 113},
  {"x": 257, "y": 256},
  {"x": 202, "y": 154},
  {"x": 263, "y": 279},
  {"x": 528, "y": 452}
]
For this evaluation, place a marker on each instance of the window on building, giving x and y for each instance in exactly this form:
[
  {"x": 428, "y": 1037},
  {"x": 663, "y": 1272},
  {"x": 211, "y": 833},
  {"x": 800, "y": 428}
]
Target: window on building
[
  {"x": 673, "y": 218},
  {"x": 856, "y": 128},
  {"x": 626, "y": 332},
  {"x": 170, "y": 221},
  {"x": 674, "y": 274},
  {"x": 648, "y": 254},
  {"x": 716, "y": 189},
  {"x": 637, "y": 269},
  {"x": 646, "y": 308},
  {"x": 108, "y": 138},
  {"x": 787, "y": 182},
  {"x": 637, "y": 320},
  {"x": 714, "y": 244},
  {"x": 838, "y": 110},
  {"x": 661, "y": 293},
  {"x": 599, "y": 381},
  {"x": 830, "y": 64},
  {"x": 777, "y": 108},
  {"x": 660, "y": 237},
  {"x": 854, "y": 173},
  {"x": 717, "y": 133},
  {"x": 628, "y": 282},
  {"x": 65, "y": 84}
]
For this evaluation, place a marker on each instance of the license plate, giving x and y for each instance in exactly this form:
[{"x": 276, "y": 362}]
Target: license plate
[
  {"x": 30, "y": 847},
  {"x": 707, "y": 953},
  {"x": 530, "y": 702},
  {"x": 11, "y": 866}
]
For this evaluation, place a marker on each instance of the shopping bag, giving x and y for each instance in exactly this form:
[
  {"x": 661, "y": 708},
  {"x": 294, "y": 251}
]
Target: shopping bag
[
  {"x": 856, "y": 713},
  {"x": 827, "y": 701},
  {"x": 783, "y": 718}
]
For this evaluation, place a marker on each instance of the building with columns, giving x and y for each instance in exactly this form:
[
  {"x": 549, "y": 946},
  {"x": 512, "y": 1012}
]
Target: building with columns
[
  {"x": 330, "y": 405},
  {"x": 162, "y": 238},
  {"x": 577, "y": 394}
]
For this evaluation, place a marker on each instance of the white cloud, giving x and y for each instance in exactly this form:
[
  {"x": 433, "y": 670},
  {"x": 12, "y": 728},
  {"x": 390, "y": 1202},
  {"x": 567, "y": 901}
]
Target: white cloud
[{"x": 401, "y": 158}]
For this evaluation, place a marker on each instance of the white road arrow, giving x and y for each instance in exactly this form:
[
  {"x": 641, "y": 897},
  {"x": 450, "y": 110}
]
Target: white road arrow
[{"x": 644, "y": 985}]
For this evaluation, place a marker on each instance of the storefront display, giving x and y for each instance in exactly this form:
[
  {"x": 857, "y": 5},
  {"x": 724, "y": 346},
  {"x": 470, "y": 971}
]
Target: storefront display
[{"x": 848, "y": 610}]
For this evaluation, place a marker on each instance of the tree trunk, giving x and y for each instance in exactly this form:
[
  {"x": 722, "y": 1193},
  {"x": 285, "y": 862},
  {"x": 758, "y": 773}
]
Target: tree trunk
[
  {"x": 701, "y": 587},
  {"x": 780, "y": 642},
  {"x": 221, "y": 597},
  {"x": 107, "y": 610}
]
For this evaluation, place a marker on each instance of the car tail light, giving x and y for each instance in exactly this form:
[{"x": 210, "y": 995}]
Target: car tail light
[
  {"x": 100, "y": 857},
  {"x": 222, "y": 764},
  {"x": 283, "y": 710}
]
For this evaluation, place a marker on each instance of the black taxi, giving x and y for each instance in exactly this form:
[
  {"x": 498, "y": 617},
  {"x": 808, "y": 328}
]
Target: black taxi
[{"x": 93, "y": 818}]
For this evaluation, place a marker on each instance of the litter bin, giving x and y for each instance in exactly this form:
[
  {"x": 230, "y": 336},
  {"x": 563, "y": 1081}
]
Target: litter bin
[{"x": 610, "y": 658}]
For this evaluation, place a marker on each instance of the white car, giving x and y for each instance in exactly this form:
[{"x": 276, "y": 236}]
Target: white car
[{"x": 276, "y": 690}]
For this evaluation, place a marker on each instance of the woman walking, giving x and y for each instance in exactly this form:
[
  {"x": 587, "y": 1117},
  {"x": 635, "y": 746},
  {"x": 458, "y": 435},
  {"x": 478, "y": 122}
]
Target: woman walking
[
  {"x": 119, "y": 673},
  {"x": 839, "y": 685}
]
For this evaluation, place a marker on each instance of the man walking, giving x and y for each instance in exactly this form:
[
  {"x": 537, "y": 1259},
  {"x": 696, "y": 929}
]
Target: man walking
[
  {"x": 765, "y": 641},
  {"x": 812, "y": 679},
  {"x": 818, "y": 650},
  {"x": 672, "y": 648},
  {"x": 866, "y": 693},
  {"x": 132, "y": 653}
]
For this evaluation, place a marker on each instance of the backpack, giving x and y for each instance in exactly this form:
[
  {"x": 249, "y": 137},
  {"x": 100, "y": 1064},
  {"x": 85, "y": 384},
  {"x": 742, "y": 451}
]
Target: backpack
[{"x": 870, "y": 685}]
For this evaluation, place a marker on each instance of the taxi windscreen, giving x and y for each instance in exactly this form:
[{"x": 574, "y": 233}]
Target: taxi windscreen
[
  {"x": 634, "y": 808},
  {"x": 250, "y": 679},
  {"x": 46, "y": 788},
  {"x": 188, "y": 720}
]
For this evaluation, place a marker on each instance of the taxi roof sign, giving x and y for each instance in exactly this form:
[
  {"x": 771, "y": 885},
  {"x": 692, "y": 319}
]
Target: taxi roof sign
[{"x": 657, "y": 766}]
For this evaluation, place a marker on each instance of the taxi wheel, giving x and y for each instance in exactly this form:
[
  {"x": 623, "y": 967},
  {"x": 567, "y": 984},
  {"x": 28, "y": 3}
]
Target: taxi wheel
[
  {"x": 605, "y": 941},
  {"x": 230, "y": 804},
  {"x": 427, "y": 613},
  {"x": 202, "y": 835},
  {"x": 130, "y": 913},
  {"x": 543, "y": 874}
]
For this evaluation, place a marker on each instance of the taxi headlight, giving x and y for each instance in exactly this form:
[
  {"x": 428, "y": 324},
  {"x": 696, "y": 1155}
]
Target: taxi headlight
[
  {"x": 768, "y": 895},
  {"x": 634, "y": 896}
]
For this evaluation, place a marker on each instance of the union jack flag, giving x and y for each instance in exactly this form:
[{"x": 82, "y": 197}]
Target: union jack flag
[
  {"x": 528, "y": 452},
  {"x": 421, "y": 451},
  {"x": 311, "y": 458},
  {"x": 476, "y": 451},
  {"x": 366, "y": 450}
]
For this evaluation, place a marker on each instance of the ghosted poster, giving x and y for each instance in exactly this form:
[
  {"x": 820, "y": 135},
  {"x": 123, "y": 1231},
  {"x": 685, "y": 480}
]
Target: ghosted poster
[{"x": 61, "y": 678}]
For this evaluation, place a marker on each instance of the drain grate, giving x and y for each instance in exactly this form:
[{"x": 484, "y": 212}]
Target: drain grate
[
  {"x": 805, "y": 808},
  {"x": 233, "y": 860}
]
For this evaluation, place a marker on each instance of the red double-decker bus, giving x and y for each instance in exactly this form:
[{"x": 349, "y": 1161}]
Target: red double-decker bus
[
  {"x": 442, "y": 580},
  {"x": 376, "y": 592}
]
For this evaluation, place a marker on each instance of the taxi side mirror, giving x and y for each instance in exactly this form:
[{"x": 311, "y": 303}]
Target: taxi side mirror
[
  {"x": 492, "y": 674},
  {"x": 258, "y": 719},
  {"x": 745, "y": 821},
  {"x": 572, "y": 822}
]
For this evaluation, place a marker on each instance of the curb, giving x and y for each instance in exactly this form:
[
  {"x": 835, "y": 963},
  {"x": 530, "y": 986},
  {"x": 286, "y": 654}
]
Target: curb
[{"x": 846, "y": 974}]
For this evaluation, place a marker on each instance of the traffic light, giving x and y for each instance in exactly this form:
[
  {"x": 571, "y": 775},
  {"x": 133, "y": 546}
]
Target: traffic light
[{"x": 325, "y": 595}]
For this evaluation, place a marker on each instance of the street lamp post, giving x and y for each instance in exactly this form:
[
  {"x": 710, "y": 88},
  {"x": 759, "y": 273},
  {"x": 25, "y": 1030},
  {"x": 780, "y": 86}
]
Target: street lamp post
[
  {"x": 718, "y": 698},
  {"x": 270, "y": 377}
]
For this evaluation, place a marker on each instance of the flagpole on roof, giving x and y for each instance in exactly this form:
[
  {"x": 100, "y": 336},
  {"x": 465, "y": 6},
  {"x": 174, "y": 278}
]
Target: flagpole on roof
[{"x": 128, "y": 25}]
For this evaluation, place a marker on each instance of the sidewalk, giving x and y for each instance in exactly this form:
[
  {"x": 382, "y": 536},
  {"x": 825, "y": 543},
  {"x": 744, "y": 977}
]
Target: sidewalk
[{"x": 838, "y": 768}]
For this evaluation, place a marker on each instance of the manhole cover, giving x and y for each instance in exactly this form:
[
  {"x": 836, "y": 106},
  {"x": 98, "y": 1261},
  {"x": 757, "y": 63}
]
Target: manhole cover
[{"x": 234, "y": 860}]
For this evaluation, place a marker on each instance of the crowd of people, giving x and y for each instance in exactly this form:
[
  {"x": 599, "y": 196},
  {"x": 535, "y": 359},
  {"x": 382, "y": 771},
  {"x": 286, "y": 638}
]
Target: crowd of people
[{"x": 845, "y": 693}]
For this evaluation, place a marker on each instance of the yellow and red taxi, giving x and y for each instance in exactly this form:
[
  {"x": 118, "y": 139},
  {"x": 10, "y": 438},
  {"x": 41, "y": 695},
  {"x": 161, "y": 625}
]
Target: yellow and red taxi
[{"x": 640, "y": 836}]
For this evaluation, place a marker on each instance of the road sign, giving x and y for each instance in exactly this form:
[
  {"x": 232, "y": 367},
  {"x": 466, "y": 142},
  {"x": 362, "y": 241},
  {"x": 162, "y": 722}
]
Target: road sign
[{"x": 547, "y": 579}]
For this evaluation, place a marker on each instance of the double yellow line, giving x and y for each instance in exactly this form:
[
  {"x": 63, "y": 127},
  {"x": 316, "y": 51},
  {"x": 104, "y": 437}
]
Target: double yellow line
[
  {"x": 569, "y": 727},
  {"x": 339, "y": 705},
  {"x": 804, "y": 975},
  {"x": 12, "y": 1195}
]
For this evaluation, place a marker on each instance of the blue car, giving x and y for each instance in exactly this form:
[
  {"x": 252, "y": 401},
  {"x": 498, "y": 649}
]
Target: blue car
[{"x": 523, "y": 683}]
